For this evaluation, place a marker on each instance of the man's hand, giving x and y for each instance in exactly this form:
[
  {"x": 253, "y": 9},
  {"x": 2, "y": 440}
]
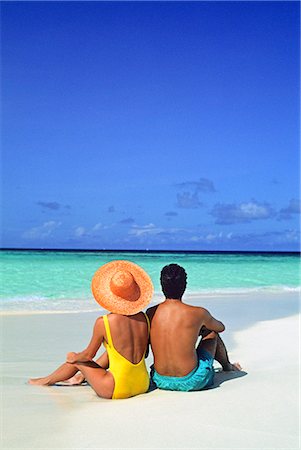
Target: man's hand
[{"x": 204, "y": 331}]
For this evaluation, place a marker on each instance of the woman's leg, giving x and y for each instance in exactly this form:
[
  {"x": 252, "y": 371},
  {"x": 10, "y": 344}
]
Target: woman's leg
[
  {"x": 62, "y": 373},
  {"x": 99, "y": 379},
  {"x": 78, "y": 378}
]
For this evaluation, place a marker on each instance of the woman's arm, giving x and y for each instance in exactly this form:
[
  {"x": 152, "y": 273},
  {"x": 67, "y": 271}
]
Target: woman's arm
[{"x": 91, "y": 350}]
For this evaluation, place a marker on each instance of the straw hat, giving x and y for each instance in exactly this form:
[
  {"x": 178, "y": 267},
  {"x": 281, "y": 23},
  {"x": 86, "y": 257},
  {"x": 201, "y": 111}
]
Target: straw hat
[{"x": 122, "y": 287}]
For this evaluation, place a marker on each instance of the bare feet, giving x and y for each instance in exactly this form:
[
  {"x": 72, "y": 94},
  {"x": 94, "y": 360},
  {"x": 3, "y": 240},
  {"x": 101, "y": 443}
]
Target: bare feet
[
  {"x": 39, "y": 381},
  {"x": 75, "y": 381},
  {"x": 232, "y": 367}
]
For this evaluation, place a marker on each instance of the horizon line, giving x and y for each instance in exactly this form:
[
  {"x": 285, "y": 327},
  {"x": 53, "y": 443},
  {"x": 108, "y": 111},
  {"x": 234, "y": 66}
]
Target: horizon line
[{"x": 147, "y": 250}]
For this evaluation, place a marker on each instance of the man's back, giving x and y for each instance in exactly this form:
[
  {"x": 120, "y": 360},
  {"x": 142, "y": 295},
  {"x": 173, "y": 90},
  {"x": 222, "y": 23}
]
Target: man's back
[{"x": 175, "y": 328}]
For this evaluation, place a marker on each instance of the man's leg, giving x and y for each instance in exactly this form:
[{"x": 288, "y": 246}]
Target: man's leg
[
  {"x": 213, "y": 344},
  {"x": 221, "y": 356},
  {"x": 208, "y": 342}
]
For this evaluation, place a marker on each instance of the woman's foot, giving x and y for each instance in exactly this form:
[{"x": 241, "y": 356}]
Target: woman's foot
[
  {"x": 39, "y": 381},
  {"x": 75, "y": 381}
]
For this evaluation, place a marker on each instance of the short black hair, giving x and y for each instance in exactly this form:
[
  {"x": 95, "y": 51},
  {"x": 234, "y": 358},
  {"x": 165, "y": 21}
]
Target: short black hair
[{"x": 173, "y": 281}]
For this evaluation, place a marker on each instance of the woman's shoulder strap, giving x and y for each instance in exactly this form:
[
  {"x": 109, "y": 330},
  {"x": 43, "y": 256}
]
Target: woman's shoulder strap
[
  {"x": 147, "y": 320},
  {"x": 108, "y": 331}
]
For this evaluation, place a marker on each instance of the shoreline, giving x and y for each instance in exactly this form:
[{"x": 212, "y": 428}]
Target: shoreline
[{"x": 192, "y": 297}]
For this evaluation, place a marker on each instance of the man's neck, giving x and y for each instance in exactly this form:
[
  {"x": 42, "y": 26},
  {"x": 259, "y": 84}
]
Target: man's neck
[{"x": 173, "y": 299}]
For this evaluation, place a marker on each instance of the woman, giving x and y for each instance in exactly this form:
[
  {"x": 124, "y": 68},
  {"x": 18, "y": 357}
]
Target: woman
[{"x": 123, "y": 288}]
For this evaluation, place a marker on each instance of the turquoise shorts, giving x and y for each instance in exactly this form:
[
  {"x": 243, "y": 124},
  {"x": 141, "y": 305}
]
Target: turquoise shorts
[{"x": 199, "y": 378}]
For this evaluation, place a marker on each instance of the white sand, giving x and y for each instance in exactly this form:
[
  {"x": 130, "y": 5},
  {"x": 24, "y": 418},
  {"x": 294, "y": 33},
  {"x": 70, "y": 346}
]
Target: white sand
[{"x": 256, "y": 411}]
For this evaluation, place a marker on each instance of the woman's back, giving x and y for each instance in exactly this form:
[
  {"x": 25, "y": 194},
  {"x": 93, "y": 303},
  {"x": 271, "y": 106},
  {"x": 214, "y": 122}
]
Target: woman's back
[
  {"x": 126, "y": 344},
  {"x": 129, "y": 335}
]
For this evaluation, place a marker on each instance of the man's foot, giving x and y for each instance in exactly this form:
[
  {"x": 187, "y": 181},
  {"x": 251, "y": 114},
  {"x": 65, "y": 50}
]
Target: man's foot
[
  {"x": 75, "y": 381},
  {"x": 232, "y": 367},
  {"x": 39, "y": 381}
]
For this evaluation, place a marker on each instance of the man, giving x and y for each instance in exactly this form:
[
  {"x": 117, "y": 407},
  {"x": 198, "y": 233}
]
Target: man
[{"x": 175, "y": 327}]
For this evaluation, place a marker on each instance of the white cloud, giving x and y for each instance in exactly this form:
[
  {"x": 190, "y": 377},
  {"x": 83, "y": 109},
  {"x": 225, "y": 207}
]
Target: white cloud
[
  {"x": 294, "y": 208},
  {"x": 150, "y": 229},
  {"x": 97, "y": 227},
  {"x": 202, "y": 185},
  {"x": 153, "y": 236},
  {"x": 188, "y": 197},
  {"x": 253, "y": 210},
  {"x": 211, "y": 237},
  {"x": 244, "y": 212},
  {"x": 80, "y": 231},
  {"x": 42, "y": 231},
  {"x": 289, "y": 236},
  {"x": 140, "y": 230}
]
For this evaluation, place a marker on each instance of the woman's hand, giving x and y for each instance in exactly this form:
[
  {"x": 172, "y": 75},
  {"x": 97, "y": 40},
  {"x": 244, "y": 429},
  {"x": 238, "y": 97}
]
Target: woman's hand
[{"x": 71, "y": 357}]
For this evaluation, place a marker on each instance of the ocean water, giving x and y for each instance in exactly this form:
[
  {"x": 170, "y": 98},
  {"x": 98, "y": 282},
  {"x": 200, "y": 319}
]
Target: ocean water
[{"x": 60, "y": 281}]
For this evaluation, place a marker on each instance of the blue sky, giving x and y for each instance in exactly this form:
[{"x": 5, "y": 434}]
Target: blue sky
[{"x": 134, "y": 125}]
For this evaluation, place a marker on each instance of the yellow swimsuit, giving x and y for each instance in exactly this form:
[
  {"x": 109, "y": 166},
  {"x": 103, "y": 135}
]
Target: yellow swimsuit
[{"x": 130, "y": 379}]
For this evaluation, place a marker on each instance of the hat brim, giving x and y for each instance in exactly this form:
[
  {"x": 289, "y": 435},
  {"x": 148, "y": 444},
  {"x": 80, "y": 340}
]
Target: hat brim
[{"x": 107, "y": 299}]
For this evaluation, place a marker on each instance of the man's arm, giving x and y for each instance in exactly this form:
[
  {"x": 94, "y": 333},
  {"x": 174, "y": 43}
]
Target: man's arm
[
  {"x": 211, "y": 323},
  {"x": 91, "y": 350}
]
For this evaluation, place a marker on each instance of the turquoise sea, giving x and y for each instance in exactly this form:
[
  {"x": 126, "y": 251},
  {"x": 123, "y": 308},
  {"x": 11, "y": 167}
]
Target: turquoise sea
[{"x": 60, "y": 280}]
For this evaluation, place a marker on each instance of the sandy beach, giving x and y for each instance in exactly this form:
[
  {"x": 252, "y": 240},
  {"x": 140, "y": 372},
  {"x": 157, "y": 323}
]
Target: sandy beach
[
  {"x": 257, "y": 409},
  {"x": 163, "y": 134}
]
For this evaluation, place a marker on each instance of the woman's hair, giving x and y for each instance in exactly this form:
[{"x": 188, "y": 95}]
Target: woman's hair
[{"x": 173, "y": 281}]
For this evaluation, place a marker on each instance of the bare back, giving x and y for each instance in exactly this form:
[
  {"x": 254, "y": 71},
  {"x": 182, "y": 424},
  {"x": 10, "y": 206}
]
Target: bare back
[
  {"x": 175, "y": 328},
  {"x": 129, "y": 335}
]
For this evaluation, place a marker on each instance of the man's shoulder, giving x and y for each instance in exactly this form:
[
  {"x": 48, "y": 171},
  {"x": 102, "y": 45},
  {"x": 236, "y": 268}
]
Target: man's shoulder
[{"x": 200, "y": 310}]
